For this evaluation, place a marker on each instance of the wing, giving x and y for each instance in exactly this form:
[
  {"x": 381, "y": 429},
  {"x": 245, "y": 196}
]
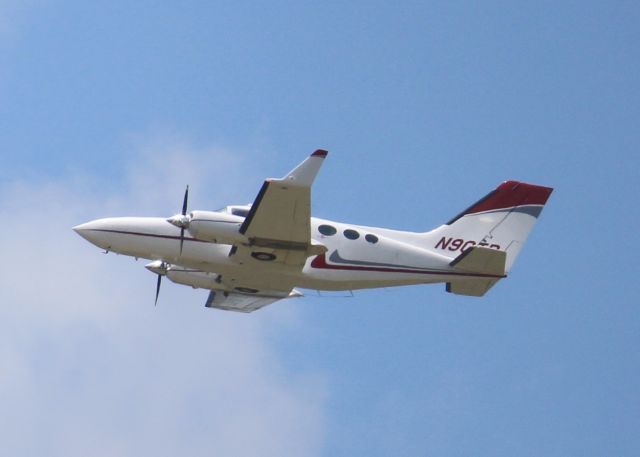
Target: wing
[
  {"x": 278, "y": 225},
  {"x": 245, "y": 302}
]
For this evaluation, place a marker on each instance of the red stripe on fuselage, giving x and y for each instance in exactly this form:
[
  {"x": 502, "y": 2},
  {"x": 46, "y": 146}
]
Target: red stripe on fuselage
[
  {"x": 152, "y": 235},
  {"x": 320, "y": 262}
]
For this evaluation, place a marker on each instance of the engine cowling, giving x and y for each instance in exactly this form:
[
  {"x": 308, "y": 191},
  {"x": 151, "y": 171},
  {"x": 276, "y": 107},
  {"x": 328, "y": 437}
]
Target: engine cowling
[
  {"x": 195, "y": 279},
  {"x": 216, "y": 227}
]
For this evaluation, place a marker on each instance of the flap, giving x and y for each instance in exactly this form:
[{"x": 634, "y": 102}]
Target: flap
[{"x": 244, "y": 302}]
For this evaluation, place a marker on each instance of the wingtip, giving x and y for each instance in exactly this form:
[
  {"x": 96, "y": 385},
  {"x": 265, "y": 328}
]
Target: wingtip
[{"x": 320, "y": 153}]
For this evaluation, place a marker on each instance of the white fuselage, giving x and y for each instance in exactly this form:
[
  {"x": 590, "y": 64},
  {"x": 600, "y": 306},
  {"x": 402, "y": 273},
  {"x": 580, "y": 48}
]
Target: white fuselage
[
  {"x": 250, "y": 256},
  {"x": 357, "y": 257}
]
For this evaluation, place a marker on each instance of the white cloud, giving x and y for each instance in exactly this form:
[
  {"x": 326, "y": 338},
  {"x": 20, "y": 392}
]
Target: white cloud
[
  {"x": 88, "y": 366},
  {"x": 165, "y": 165}
]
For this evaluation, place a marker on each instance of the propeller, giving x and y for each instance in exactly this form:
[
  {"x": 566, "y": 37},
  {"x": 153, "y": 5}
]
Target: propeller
[
  {"x": 158, "y": 289},
  {"x": 181, "y": 220},
  {"x": 160, "y": 268},
  {"x": 184, "y": 214}
]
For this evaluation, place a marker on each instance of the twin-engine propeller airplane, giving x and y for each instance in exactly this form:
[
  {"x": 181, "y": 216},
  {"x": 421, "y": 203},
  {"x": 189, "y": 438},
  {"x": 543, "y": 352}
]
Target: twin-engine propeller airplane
[{"x": 251, "y": 256}]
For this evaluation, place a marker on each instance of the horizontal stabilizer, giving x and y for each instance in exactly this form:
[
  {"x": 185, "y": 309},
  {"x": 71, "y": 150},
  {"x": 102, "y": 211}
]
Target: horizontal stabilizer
[
  {"x": 473, "y": 288},
  {"x": 485, "y": 267},
  {"x": 481, "y": 260}
]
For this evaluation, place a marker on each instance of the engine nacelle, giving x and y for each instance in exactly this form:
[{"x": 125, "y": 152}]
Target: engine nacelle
[
  {"x": 195, "y": 279},
  {"x": 216, "y": 227}
]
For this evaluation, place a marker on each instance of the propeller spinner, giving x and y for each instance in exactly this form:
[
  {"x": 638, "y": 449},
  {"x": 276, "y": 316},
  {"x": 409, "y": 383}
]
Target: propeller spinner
[
  {"x": 160, "y": 268},
  {"x": 182, "y": 220}
]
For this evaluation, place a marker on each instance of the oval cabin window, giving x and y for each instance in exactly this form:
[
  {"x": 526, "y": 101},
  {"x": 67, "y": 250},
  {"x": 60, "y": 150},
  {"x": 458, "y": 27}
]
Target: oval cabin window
[
  {"x": 351, "y": 234},
  {"x": 371, "y": 238},
  {"x": 327, "y": 230}
]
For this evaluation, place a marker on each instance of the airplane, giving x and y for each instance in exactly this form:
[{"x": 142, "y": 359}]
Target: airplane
[{"x": 249, "y": 256}]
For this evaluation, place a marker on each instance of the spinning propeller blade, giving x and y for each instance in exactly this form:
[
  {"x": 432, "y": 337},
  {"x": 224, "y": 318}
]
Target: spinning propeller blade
[
  {"x": 184, "y": 213},
  {"x": 160, "y": 268},
  {"x": 158, "y": 288},
  {"x": 185, "y": 200}
]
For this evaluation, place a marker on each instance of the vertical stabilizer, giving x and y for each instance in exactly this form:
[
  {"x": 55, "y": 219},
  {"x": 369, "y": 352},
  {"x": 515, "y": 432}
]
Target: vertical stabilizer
[{"x": 501, "y": 220}]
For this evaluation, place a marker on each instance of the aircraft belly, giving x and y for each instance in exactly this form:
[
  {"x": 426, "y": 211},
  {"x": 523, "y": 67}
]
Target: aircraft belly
[
  {"x": 359, "y": 264},
  {"x": 155, "y": 240},
  {"x": 353, "y": 282},
  {"x": 326, "y": 276},
  {"x": 341, "y": 269},
  {"x": 234, "y": 274}
]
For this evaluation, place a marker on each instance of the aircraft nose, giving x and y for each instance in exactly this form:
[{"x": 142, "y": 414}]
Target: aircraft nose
[
  {"x": 91, "y": 231},
  {"x": 81, "y": 228}
]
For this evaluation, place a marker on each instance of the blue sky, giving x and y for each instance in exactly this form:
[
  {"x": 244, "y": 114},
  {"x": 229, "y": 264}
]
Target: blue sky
[{"x": 110, "y": 108}]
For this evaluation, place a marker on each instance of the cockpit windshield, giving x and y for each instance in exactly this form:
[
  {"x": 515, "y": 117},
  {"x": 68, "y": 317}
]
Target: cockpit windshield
[{"x": 241, "y": 211}]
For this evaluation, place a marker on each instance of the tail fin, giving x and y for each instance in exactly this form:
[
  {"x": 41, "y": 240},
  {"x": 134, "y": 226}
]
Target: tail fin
[{"x": 501, "y": 220}]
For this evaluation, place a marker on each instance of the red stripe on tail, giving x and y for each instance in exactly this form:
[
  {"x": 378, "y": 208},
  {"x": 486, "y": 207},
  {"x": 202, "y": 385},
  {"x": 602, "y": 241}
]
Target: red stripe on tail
[{"x": 507, "y": 195}]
